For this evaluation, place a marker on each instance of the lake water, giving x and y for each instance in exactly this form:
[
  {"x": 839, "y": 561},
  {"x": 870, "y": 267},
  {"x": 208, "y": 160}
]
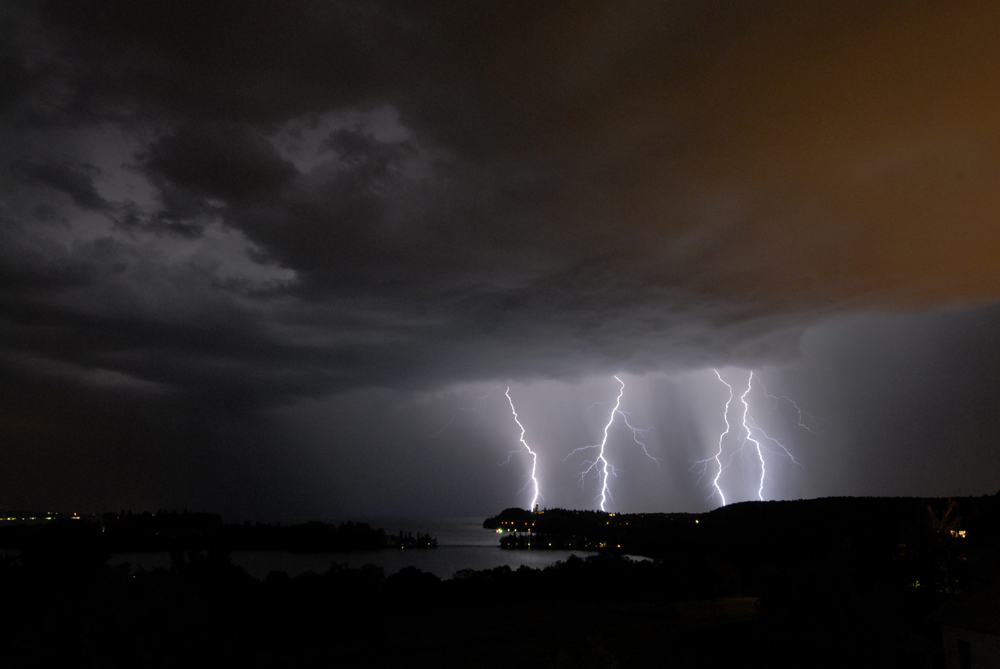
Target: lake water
[{"x": 462, "y": 544}]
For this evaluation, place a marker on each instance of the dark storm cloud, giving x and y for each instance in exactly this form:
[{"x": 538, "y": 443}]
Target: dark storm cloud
[
  {"x": 276, "y": 201},
  {"x": 715, "y": 148},
  {"x": 597, "y": 164},
  {"x": 229, "y": 61},
  {"x": 232, "y": 163},
  {"x": 330, "y": 225},
  {"x": 355, "y": 147},
  {"x": 72, "y": 180}
]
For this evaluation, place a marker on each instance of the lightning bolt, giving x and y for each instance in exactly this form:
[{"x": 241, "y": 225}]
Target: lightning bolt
[
  {"x": 753, "y": 433},
  {"x": 476, "y": 406},
  {"x": 534, "y": 456},
  {"x": 635, "y": 434},
  {"x": 718, "y": 455},
  {"x": 802, "y": 414},
  {"x": 600, "y": 463},
  {"x": 750, "y": 424},
  {"x": 784, "y": 451},
  {"x": 749, "y": 437}
]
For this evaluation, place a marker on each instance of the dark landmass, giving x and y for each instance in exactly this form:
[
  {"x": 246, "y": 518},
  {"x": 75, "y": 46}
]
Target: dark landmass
[
  {"x": 819, "y": 583},
  {"x": 880, "y": 525},
  {"x": 562, "y": 529},
  {"x": 126, "y": 532}
]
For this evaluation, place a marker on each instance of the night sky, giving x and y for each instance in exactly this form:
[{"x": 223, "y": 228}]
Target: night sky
[{"x": 282, "y": 260}]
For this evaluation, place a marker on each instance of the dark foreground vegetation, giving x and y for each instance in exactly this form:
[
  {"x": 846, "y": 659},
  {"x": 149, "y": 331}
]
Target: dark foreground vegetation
[
  {"x": 825, "y": 583},
  {"x": 171, "y": 531}
]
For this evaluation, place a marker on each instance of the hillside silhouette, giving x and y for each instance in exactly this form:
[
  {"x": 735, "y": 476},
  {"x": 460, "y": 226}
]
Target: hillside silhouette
[
  {"x": 818, "y": 583},
  {"x": 126, "y": 532}
]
